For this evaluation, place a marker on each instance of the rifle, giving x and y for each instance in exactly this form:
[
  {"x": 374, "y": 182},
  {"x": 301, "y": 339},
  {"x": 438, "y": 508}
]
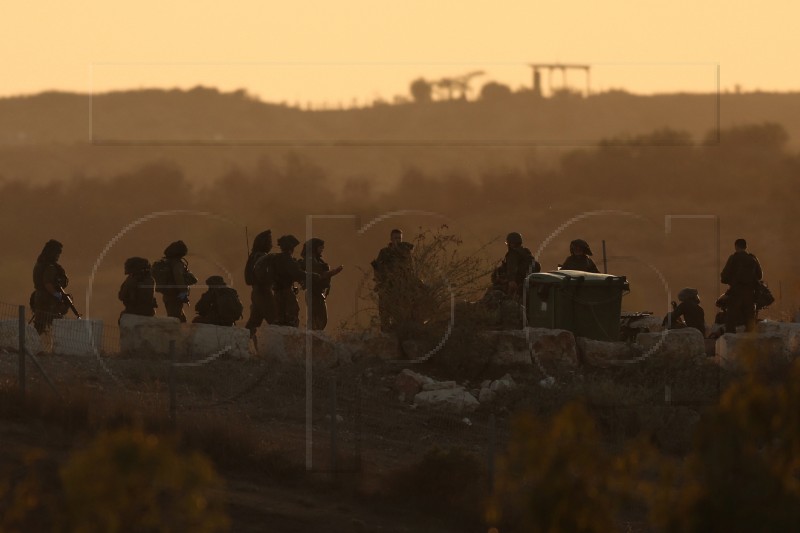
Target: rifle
[{"x": 67, "y": 298}]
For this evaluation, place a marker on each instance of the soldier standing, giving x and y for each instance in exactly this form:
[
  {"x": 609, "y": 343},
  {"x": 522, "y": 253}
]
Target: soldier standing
[
  {"x": 286, "y": 272},
  {"x": 262, "y": 299},
  {"x": 137, "y": 292},
  {"x": 517, "y": 264},
  {"x": 742, "y": 272},
  {"x": 175, "y": 281},
  {"x": 579, "y": 257},
  {"x": 317, "y": 295},
  {"x": 49, "y": 282},
  {"x": 394, "y": 274}
]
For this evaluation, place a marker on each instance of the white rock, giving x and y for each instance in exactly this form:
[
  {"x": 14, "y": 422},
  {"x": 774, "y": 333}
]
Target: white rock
[
  {"x": 455, "y": 401},
  {"x": 9, "y": 337},
  {"x": 146, "y": 336},
  {"x": 289, "y": 344},
  {"x": 439, "y": 385},
  {"x": 486, "y": 395},
  {"x": 513, "y": 347},
  {"x": 506, "y": 383},
  {"x": 408, "y": 383},
  {"x": 206, "y": 340},
  {"x": 733, "y": 348},
  {"x": 604, "y": 354},
  {"x": 675, "y": 343},
  {"x": 548, "y": 383},
  {"x": 467, "y": 421},
  {"x": 789, "y": 332},
  {"x": 82, "y": 337}
]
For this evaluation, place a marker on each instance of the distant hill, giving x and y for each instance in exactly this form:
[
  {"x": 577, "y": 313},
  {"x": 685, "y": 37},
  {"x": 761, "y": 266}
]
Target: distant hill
[{"x": 208, "y": 134}]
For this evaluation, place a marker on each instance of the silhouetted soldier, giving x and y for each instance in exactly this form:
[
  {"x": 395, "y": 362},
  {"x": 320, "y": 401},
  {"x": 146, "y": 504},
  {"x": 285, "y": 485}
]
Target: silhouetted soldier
[
  {"x": 49, "y": 280},
  {"x": 689, "y": 309},
  {"x": 137, "y": 292},
  {"x": 517, "y": 264},
  {"x": 286, "y": 272},
  {"x": 579, "y": 257},
  {"x": 394, "y": 275},
  {"x": 742, "y": 272},
  {"x": 219, "y": 305},
  {"x": 173, "y": 279},
  {"x": 317, "y": 295},
  {"x": 262, "y": 299}
]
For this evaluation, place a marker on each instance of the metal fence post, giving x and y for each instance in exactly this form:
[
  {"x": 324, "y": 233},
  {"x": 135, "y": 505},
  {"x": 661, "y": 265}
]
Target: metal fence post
[
  {"x": 490, "y": 455},
  {"x": 172, "y": 398},
  {"x": 333, "y": 430},
  {"x": 22, "y": 348}
]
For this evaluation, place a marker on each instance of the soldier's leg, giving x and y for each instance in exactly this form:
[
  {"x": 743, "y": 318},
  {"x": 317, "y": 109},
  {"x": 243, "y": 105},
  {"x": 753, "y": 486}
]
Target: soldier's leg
[
  {"x": 173, "y": 306},
  {"x": 256, "y": 311},
  {"x": 292, "y": 310},
  {"x": 734, "y": 315},
  {"x": 384, "y": 312},
  {"x": 749, "y": 310},
  {"x": 319, "y": 312}
]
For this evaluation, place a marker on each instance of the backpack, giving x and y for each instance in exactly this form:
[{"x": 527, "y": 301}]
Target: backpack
[
  {"x": 264, "y": 270},
  {"x": 764, "y": 296},
  {"x": 162, "y": 274},
  {"x": 249, "y": 274},
  {"x": 229, "y": 308}
]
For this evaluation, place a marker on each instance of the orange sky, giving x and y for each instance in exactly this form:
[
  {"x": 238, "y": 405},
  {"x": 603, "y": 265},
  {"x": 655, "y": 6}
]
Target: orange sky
[{"x": 336, "y": 52}]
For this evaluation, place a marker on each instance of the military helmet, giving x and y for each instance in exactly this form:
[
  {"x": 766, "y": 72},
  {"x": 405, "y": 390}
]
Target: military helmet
[
  {"x": 263, "y": 242},
  {"x": 176, "y": 249},
  {"x": 688, "y": 295},
  {"x": 287, "y": 242},
  {"x": 134, "y": 265},
  {"x": 514, "y": 238},
  {"x": 581, "y": 244},
  {"x": 215, "y": 281}
]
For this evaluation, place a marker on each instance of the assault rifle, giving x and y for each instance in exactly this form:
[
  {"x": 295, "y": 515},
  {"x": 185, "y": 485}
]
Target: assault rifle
[{"x": 67, "y": 299}]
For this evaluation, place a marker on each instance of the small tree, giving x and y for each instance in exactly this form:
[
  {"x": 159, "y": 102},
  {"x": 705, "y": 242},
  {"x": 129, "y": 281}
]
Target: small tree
[
  {"x": 421, "y": 91},
  {"x": 495, "y": 91}
]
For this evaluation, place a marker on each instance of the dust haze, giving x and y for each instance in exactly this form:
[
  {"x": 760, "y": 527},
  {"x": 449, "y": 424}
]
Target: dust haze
[{"x": 617, "y": 164}]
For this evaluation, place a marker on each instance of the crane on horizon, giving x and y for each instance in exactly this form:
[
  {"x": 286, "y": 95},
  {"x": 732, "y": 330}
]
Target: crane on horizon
[{"x": 457, "y": 83}]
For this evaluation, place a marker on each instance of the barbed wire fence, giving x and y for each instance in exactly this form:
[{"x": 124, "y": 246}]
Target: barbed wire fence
[{"x": 339, "y": 417}]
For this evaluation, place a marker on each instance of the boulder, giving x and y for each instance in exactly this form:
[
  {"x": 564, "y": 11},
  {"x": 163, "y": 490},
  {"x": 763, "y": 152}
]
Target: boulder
[
  {"x": 82, "y": 337},
  {"x": 439, "y": 385},
  {"x": 513, "y": 347},
  {"x": 408, "y": 383},
  {"x": 486, "y": 395},
  {"x": 604, "y": 354},
  {"x": 455, "y": 401},
  {"x": 9, "y": 337},
  {"x": 789, "y": 332},
  {"x": 734, "y": 348},
  {"x": 205, "y": 340},
  {"x": 504, "y": 384},
  {"x": 674, "y": 344},
  {"x": 288, "y": 344},
  {"x": 149, "y": 336}
]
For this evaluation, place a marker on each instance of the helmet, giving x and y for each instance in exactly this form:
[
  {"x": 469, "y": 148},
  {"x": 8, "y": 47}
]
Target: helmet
[
  {"x": 514, "y": 238},
  {"x": 688, "y": 295},
  {"x": 215, "y": 281},
  {"x": 287, "y": 242},
  {"x": 263, "y": 242},
  {"x": 311, "y": 246},
  {"x": 176, "y": 249},
  {"x": 134, "y": 265},
  {"x": 582, "y": 245}
]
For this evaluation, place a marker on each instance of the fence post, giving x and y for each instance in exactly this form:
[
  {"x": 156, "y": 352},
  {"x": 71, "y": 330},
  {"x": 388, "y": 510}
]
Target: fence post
[
  {"x": 172, "y": 399},
  {"x": 357, "y": 451},
  {"x": 333, "y": 430},
  {"x": 21, "y": 345},
  {"x": 490, "y": 456}
]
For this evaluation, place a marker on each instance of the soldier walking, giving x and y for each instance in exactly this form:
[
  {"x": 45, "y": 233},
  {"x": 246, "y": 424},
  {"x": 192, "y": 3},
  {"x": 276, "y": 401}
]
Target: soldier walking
[
  {"x": 579, "y": 258},
  {"x": 742, "y": 272},
  {"x": 262, "y": 299},
  {"x": 137, "y": 292},
  {"x": 317, "y": 294},
  {"x": 49, "y": 282}
]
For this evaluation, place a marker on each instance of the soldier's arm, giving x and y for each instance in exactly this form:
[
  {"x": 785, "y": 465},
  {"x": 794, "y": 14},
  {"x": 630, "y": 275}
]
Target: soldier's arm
[
  {"x": 296, "y": 272},
  {"x": 727, "y": 271},
  {"x": 177, "y": 275},
  {"x": 759, "y": 274},
  {"x": 592, "y": 266},
  {"x": 49, "y": 279}
]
